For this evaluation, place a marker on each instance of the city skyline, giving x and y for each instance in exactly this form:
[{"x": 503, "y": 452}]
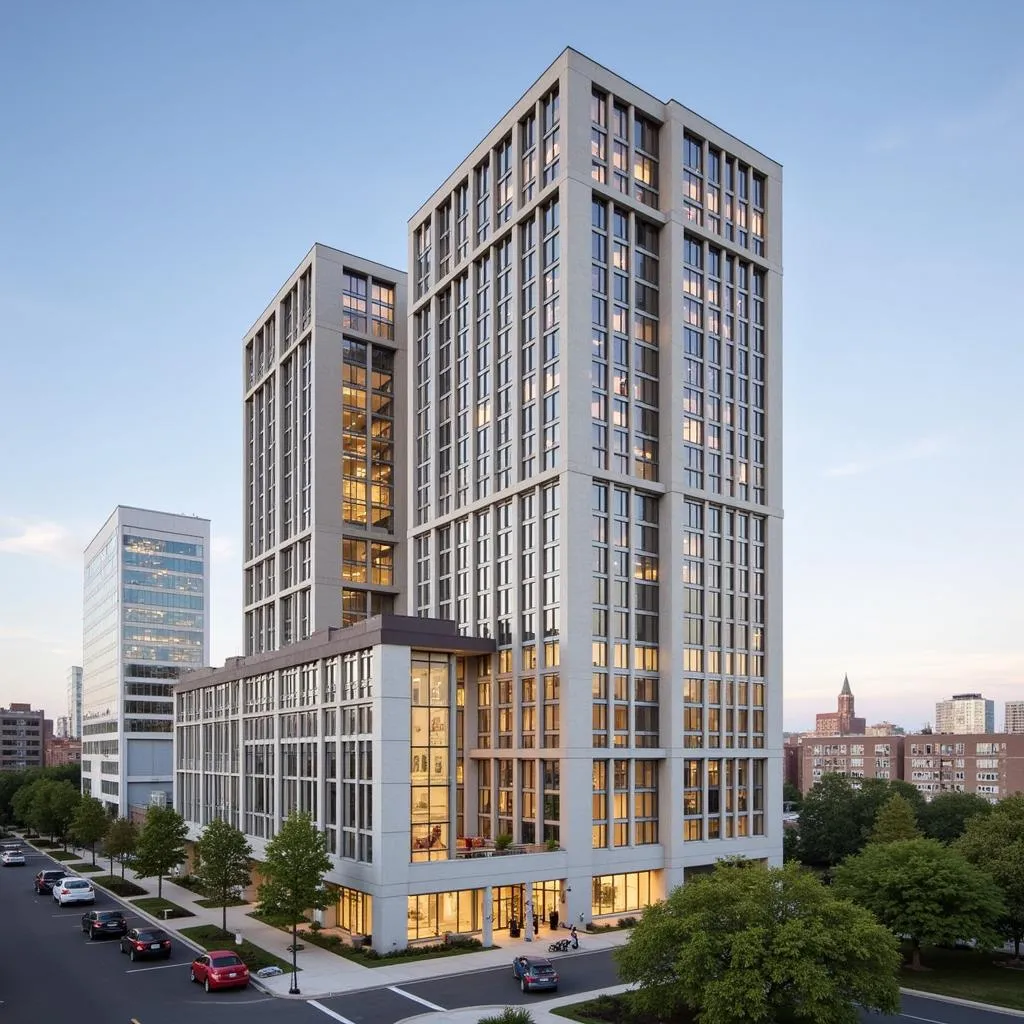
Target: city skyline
[{"x": 869, "y": 591}]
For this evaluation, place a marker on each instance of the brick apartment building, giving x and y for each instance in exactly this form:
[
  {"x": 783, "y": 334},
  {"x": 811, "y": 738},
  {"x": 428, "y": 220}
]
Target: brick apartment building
[
  {"x": 61, "y": 750},
  {"x": 991, "y": 765},
  {"x": 21, "y": 737}
]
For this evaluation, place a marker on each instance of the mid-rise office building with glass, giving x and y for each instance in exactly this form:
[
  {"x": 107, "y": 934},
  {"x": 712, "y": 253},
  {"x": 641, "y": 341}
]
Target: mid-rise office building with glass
[{"x": 145, "y": 621}]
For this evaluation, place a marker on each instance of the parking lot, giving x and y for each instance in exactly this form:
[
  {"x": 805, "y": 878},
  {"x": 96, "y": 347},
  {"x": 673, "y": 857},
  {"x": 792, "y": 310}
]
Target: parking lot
[{"x": 52, "y": 971}]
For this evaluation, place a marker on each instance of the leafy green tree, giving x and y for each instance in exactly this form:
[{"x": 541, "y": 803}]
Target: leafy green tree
[
  {"x": 760, "y": 945},
  {"x": 90, "y": 823},
  {"x": 23, "y": 803},
  {"x": 161, "y": 844},
  {"x": 293, "y": 871},
  {"x": 994, "y": 842},
  {"x": 791, "y": 795},
  {"x": 922, "y": 891},
  {"x": 223, "y": 863},
  {"x": 829, "y": 826},
  {"x": 53, "y": 807},
  {"x": 120, "y": 841},
  {"x": 895, "y": 822},
  {"x": 790, "y": 845},
  {"x": 874, "y": 794},
  {"x": 946, "y": 815}
]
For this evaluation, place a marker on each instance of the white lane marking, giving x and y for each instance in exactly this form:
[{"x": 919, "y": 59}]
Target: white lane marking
[
  {"x": 159, "y": 967},
  {"x": 416, "y": 999},
  {"x": 328, "y": 1011}
]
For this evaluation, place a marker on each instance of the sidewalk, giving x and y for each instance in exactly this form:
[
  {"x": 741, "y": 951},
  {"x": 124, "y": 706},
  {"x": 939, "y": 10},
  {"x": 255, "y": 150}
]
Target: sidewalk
[{"x": 322, "y": 973}]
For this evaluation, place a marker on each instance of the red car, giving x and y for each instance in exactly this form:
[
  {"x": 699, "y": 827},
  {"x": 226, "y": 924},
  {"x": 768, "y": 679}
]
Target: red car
[{"x": 219, "y": 968}]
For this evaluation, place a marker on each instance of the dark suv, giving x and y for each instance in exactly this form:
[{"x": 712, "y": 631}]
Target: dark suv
[
  {"x": 44, "y": 881},
  {"x": 104, "y": 922}
]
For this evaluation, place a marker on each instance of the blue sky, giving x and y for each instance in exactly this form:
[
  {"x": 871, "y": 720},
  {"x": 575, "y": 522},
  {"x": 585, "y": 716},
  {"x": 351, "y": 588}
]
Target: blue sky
[{"x": 163, "y": 167}]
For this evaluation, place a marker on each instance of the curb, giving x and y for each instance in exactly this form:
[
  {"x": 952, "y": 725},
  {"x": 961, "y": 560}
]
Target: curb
[
  {"x": 990, "y": 1007},
  {"x": 547, "y": 1006}
]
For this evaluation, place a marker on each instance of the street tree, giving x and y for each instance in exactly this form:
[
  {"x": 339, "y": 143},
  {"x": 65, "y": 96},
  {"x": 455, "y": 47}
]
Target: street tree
[
  {"x": 946, "y": 815},
  {"x": 829, "y": 826},
  {"x": 293, "y": 872},
  {"x": 994, "y": 842},
  {"x": 760, "y": 945},
  {"x": 161, "y": 844},
  {"x": 90, "y": 823},
  {"x": 895, "y": 822},
  {"x": 54, "y": 805},
  {"x": 924, "y": 892},
  {"x": 23, "y": 803},
  {"x": 120, "y": 841},
  {"x": 223, "y": 867}
]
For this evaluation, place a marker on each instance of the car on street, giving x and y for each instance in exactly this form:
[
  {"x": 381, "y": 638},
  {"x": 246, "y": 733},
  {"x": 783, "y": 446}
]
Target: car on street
[
  {"x": 73, "y": 890},
  {"x": 10, "y": 857},
  {"x": 140, "y": 943},
  {"x": 219, "y": 968},
  {"x": 44, "y": 881},
  {"x": 535, "y": 973},
  {"x": 97, "y": 923}
]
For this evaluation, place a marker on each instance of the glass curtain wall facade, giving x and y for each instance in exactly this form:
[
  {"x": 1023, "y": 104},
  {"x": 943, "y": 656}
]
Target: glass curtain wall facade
[
  {"x": 145, "y": 622},
  {"x": 319, "y": 379},
  {"x": 658, "y": 238}
]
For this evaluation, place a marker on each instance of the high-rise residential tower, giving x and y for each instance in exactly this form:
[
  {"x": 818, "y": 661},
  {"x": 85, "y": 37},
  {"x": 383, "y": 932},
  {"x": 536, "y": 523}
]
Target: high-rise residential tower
[
  {"x": 965, "y": 713},
  {"x": 322, "y": 404},
  {"x": 74, "y": 715},
  {"x": 145, "y": 621},
  {"x": 1014, "y": 716},
  {"x": 596, "y": 340}
]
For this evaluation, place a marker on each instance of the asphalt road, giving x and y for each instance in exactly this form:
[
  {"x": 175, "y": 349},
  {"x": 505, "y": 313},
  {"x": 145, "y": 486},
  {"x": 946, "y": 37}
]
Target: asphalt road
[
  {"x": 49, "y": 971},
  {"x": 581, "y": 972}
]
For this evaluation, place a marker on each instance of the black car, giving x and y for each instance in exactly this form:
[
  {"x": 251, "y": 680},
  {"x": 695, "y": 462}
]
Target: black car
[
  {"x": 147, "y": 941},
  {"x": 44, "y": 881},
  {"x": 104, "y": 922}
]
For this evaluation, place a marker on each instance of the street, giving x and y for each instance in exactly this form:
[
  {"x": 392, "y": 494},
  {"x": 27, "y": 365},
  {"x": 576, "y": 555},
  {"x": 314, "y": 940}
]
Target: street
[{"x": 52, "y": 972}]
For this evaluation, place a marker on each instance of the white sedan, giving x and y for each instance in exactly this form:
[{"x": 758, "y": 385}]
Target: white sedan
[
  {"x": 73, "y": 890},
  {"x": 12, "y": 857}
]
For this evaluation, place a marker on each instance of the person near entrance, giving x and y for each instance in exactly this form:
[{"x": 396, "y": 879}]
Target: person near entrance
[
  {"x": 553, "y": 919},
  {"x": 574, "y": 937}
]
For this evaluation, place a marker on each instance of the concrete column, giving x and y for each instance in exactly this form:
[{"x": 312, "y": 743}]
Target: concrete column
[{"x": 488, "y": 922}]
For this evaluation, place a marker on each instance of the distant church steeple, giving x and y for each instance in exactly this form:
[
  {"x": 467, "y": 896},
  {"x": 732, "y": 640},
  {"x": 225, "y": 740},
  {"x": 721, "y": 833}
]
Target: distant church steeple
[{"x": 846, "y": 691}]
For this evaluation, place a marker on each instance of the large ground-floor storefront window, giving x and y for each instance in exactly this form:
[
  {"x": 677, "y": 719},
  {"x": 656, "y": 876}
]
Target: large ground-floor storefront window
[
  {"x": 434, "y": 913},
  {"x": 617, "y": 894}
]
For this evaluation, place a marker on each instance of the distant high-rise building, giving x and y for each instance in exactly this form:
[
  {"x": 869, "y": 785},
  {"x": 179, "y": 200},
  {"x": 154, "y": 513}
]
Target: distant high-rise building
[
  {"x": 22, "y": 735},
  {"x": 843, "y": 721},
  {"x": 965, "y": 713},
  {"x": 145, "y": 621},
  {"x": 323, "y": 400},
  {"x": 74, "y": 715},
  {"x": 61, "y": 728},
  {"x": 1014, "y": 720}
]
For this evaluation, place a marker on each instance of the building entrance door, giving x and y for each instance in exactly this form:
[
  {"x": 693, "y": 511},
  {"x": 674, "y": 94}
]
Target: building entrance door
[
  {"x": 509, "y": 906},
  {"x": 546, "y": 897}
]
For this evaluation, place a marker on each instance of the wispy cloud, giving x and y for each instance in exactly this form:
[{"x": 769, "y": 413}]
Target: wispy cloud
[
  {"x": 912, "y": 451},
  {"x": 995, "y": 115},
  {"x": 223, "y": 547},
  {"x": 41, "y": 539}
]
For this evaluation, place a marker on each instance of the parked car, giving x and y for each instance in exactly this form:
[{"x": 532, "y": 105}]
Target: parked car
[
  {"x": 104, "y": 922},
  {"x": 73, "y": 890},
  {"x": 139, "y": 943},
  {"x": 10, "y": 857},
  {"x": 44, "y": 881},
  {"x": 219, "y": 968},
  {"x": 535, "y": 972}
]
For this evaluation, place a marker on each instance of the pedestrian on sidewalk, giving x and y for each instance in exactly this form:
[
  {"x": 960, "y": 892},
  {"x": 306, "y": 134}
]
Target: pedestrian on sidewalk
[{"x": 575, "y": 938}]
